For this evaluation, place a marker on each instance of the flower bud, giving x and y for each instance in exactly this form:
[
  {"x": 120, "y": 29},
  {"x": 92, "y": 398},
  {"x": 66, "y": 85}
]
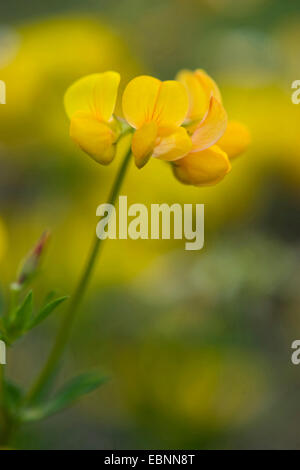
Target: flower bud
[{"x": 31, "y": 263}]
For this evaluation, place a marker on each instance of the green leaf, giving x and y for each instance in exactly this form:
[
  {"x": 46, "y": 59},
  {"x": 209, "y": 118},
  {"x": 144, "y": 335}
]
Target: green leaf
[
  {"x": 13, "y": 396},
  {"x": 2, "y": 328},
  {"x": 20, "y": 317},
  {"x": 49, "y": 297},
  {"x": 70, "y": 393},
  {"x": 45, "y": 312},
  {"x": 1, "y": 303}
]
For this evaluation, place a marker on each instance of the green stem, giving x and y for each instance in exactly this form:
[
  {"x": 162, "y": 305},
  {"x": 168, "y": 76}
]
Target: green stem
[
  {"x": 4, "y": 423},
  {"x": 66, "y": 327},
  {"x": 2, "y": 420}
]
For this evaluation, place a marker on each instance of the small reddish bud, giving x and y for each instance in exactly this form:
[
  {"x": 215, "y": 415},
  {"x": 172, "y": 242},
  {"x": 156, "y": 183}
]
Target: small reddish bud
[{"x": 31, "y": 262}]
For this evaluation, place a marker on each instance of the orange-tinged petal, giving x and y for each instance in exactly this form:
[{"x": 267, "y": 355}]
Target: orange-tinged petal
[
  {"x": 200, "y": 88},
  {"x": 139, "y": 99},
  {"x": 173, "y": 146},
  {"x": 93, "y": 137},
  {"x": 203, "y": 168},
  {"x": 198, "y": 101},
  {"x": 211, "y": 128},
  {"x": 208, "y": 84},
  {"x": 143, "y": 143},
  {"x": 95, "y": 94},
  {"x": 171, "y": 106},
  {"x": 235, "y": 140}
]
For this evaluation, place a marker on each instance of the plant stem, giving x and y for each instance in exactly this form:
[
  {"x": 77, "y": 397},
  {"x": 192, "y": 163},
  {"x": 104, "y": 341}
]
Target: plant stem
[
  {"x": 4, "y": 422},
  {"x": 66, "y": 327},
  {"x": 2, "y": 415}
]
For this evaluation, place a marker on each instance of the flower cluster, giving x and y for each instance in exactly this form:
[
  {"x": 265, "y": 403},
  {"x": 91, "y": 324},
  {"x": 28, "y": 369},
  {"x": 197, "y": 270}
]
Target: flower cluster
[{"x": 181, "y": 121}]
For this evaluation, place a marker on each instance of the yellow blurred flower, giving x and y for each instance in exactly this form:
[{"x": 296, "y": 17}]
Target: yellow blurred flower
[
  {"x": 156, "y": 110},
  {"x": 208, "y": 163},
  {"x": 48, "y": 71},
  {"x": 90, "y": 103}
]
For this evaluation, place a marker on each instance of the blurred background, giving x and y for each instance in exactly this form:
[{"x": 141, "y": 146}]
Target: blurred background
[{"x": 197, "y": 345}]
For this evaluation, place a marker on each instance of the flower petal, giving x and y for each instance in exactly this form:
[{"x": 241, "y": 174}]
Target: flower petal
[
  {"x": 211, "y": 128},
  {"x": 143, "y": 143},
  {"x": 173, "y": 146},
  {"x": 198, "y": 102},
  {"x": 203, "y": 168},
  {"x": 93, "y": 137},
  {"x": 235, "y": 140},
  {"x": 200, "y": 88},
  {"x": 171, "y": 106},
  {"x": 139, "y": 99},
  {"x": 208, "y": 84},
  {"x": 147, "y": 99},
  {"x": 95, "y": 94}
]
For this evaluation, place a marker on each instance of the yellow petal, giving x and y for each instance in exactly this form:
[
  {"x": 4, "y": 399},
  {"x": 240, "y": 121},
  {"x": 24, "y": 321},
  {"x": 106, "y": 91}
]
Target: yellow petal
[
  {"x": 173, "y": 146},
  {"x": 203, "y": 168},
  {"x": 139, "y": 100},
  {"x": 171, "y": 106},
  {"x": 200, "y": 88},
  {"x": 147, "y": 99},
  {"x": 235, "y": 140},
  {"x": 198, "y": 102},
  {"x": 211, "y": 128},
  {"x": 143, "y": 142},
  {"x": 208, "y": 84},
  {"x": 95, "y": 94},
  {"x": 93, "y": 137}
]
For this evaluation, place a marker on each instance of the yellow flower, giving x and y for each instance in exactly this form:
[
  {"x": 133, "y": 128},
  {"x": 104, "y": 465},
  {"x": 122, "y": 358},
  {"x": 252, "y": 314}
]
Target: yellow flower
[
  {"x": 156, "y": 110},
  {"x": 214, "y": 142},
  {"x": 90, "y": 103},
  {"x": 203, "y": 168},
  {"x": 235, "y": 140},
  {"x": 200, "y": 88},
  {"x": 181, "y": 121}
]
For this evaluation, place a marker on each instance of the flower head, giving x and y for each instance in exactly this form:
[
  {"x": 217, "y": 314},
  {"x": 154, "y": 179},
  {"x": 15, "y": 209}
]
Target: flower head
[
  {"x": 180, "y": 121},
  {"x": 214, "y": 141},
  {"x": 156, "y": 110},
  {"x": 90, "y": 103}
]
